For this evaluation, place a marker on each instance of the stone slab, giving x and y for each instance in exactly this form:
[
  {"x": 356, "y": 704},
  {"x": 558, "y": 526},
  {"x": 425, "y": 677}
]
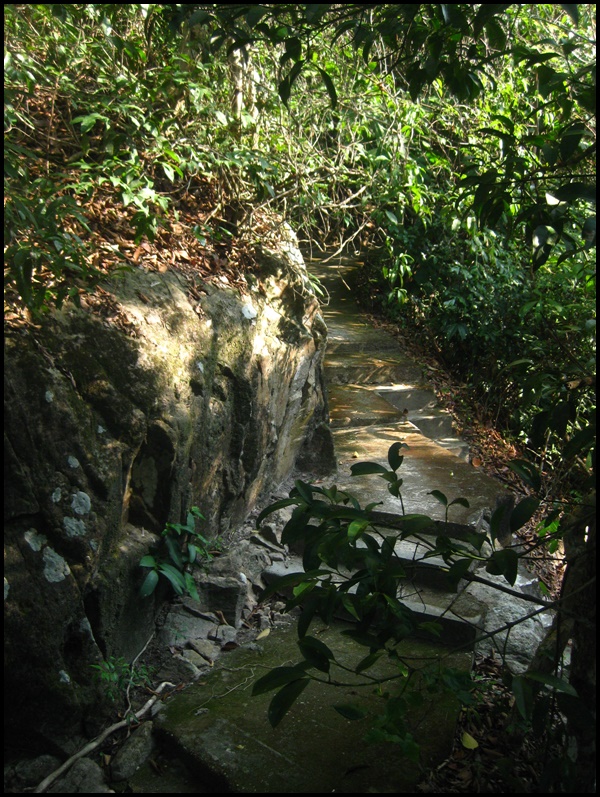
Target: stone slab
[
  {"x": 223, "y": 734},
  {"x": 426, "y": 467},
  {"x": 353, "y": 405}
]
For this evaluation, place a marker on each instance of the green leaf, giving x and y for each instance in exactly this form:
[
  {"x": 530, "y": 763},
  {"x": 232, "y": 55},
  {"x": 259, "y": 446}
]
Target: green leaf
[
  {"x": 174, "y": 576},
  {"x": 285, "y": 86},
  {"x": 174, "y": 552},
  {"x": 147, "y": 561},
  {"x": 356, "y": 528},
  {"x": 457, "y": 571},
  {"x": 527, "y": 471},
  {"x": 149, "y": 584},
  {"x": 552, "y": 681},
  {"x": 572, "y": 10},
  {"x": 291, "y": 580},
  {"x": 316, "y": 652},
  {"x": 394, "y": 458},
  {"x": 362, "y": 638},
  {"x": 284, "y": 700},
  {"x": 461, "y": 502},
  {"x": 439, "y": 496},
  {"x": 280, "y": 676},
  {"x": 572, "y": 191},
  {"x": 368, "y": 661},
  {"x": 468, "y": 741},
  {"x": 523, "y": 512},
  {"x": 365, "y": 468},
  {"x": 273, "y": 508},
  {"x": 87, "y": 122},
  {"x": 504, "y": 563},
  {"x": 304, "y": 490},
  {"x": 190, "y": 586},
  {"x": 350, "y": 711},
  {"x": 523, "y": 696},
  {"x": 329, "y": 86}
]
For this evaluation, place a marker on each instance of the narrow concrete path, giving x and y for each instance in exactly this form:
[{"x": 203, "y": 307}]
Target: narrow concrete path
[
  {"x": 378, "y": 396},
  {"x": 217, "y": 726}
]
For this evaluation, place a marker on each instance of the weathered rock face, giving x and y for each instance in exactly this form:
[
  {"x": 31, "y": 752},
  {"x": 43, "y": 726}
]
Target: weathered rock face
[{"x": 113, "y": 430}]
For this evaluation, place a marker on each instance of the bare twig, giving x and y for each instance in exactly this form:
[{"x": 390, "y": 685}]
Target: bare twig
[{"x": 133, "y": 717}]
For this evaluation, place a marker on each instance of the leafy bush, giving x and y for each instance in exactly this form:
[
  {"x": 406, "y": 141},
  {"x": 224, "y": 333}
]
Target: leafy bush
[
  {"x": 185, "y": 547},
  {"x": 116, "y": 675}
]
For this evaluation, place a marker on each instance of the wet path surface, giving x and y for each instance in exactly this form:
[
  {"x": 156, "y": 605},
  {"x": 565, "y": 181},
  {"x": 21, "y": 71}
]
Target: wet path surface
[{"x": 378, "y": 396}]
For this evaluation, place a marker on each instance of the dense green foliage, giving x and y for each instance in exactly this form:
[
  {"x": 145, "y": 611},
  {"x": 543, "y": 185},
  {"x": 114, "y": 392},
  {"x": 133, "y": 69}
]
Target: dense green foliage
[
  {"x": 456, "y": 143},
  {"x": 453, "y": 144},
  {"x": 183, "y": 548}
]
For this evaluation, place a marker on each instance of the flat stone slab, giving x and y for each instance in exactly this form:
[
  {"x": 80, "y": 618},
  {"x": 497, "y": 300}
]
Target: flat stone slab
[
  {"x": 352, "y": 405},
  {"x": 426, "y": 467},
  {"x": 352, "y": 366},
  {"x": 223, "y": 734}
]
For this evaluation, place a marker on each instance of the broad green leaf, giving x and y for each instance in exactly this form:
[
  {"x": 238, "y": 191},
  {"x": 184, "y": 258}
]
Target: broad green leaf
[
  {"x": 280, "y": 676},
  {"x": 414, "y": 524},
  {"x": 433, "y": 628},
  {"x": 504, "y": 563},
  {"x": 523, "y": 696},
  {"x": 316, "y": 653},
  {"x": 368, "y": 661},
  {"x": 394, "y": 458},
  {"x": 458, "y": 570},
  {"x": 350, "y": 711},
  {"x": 356, "y": 528},
  {"x": 174, "y": 552},
  {"x": 285, "y": 86},
  {"x": 190, "y": 586},
  {"x": 527, "y": 471},
  {"x": 468, "y": 741},
  {"x": 552, "y": 681},
  {"x": 87, "y": 122},
  {"x": 576, "y": 190},
  {"x": 523, "y": 512},
  {"x": 291, "y": 580},
  {"x": 174, "y": 576},
  {"x": 439, "y": 496},
  {"x": 461, "y": 502},
  {"x": 588, "y": 232},
  {"x": 149, "y": 584},
  {"x": 362, "y": 638},
  {"x": 147, "y": 561},
  {"x": 284, "y": 700},
  {"x": 274, "y": 507},
  {"x": 365, "y": 468},
  {"x": 498, "y": 516},
  {"x": 572, "y": 10},
  {"x": 330, "y": 87}
]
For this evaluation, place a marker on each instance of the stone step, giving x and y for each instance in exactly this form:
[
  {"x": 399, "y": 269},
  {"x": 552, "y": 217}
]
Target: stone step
[
  {"x": 222, "y": 732},
  {"x": 435, "y": 423},
  {"x": 424, "y": 591},
  {"x": 409, "y": 397},
  {"x": 427, "y": 466},
  {"x": 357, "y": 405},
  {"x": 349, "y": 366}
]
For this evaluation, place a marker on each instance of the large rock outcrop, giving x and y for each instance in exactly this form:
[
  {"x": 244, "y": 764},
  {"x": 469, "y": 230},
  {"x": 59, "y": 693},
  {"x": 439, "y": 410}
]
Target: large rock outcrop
[{"x": 114, "y": 427}]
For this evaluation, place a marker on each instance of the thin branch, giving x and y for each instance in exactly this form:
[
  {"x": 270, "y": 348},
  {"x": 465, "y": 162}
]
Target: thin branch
[{"x": 133, "y": 717}]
